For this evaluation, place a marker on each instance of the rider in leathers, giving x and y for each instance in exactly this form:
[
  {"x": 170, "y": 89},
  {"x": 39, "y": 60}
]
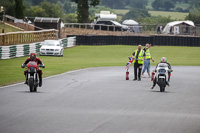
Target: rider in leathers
[
  {"x": 163, "y": 60},
  {"x": 38, "y": 61}
]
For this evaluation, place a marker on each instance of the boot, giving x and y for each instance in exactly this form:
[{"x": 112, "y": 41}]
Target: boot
[
  {"x": 26, "y": 81},
  {"x": 40, "y": 80},
  {"x": 154, "y": 84},
  {"x": 167, "y": 83}
]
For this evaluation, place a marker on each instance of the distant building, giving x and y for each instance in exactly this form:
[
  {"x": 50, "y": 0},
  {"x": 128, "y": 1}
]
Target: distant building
[
  {"x": 48, "y": 23},
  {"x": 180, "y": 27}
]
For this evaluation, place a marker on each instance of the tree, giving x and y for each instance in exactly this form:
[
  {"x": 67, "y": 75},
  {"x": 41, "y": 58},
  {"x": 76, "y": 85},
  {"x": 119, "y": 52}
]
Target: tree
[
  {"x": 116, "y": 4},
  {"x": 135, "y": 13},
  {"x": 45, "y": 9},
  {"x": 83, "y": 9},
  {"x": 138, "y": 3},
  {"x": 36, "y": 11},
  {"x": 155, "y": 20},
  {"x": 68, "y": 8},
  {"x": 163, "y": 5},
  {"x": 9, "y": 6},
  {"x": 70, "y": 18},
  {"x": 19, "y": 9},
  {"x": 194, "y": 14},
  {"x": 53, "y": 10}
]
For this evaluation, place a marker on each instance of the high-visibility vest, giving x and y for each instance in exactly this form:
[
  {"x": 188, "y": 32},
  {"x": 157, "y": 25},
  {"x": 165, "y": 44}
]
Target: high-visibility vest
[
  {"x": 140, "y": 56},
  {"x": 148, "y": 54}
]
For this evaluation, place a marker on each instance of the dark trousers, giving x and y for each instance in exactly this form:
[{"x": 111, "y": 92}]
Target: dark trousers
[{"x": 137, "y": 67}]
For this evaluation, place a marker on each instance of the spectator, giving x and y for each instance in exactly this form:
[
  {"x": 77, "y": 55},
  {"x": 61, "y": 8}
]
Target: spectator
[
  {"x": 26, "y": 19},
  {"x": 161, "y": 28},
  {"x": 147, "y": 63},
  {"x": 158, "y": 30}
]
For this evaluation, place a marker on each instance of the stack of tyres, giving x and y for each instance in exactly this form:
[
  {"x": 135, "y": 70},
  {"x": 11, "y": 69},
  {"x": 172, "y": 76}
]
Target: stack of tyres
[
  {"x": 37, "y": 46},
  {"x": 13, "y": 51},
  {"x": 0, "y": 52},
  {"x": 26, "y": 50}
]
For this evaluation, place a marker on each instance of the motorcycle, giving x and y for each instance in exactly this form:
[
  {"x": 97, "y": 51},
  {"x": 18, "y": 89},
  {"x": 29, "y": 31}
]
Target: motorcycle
[
  {"x": 161, "y": 75},
  {"x": 32, "y": 75}
]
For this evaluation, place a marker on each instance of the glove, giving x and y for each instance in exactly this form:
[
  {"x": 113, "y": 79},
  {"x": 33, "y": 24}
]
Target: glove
[
  {"x": 43, "y": 66},
  {"x": 23, "y": 65}
]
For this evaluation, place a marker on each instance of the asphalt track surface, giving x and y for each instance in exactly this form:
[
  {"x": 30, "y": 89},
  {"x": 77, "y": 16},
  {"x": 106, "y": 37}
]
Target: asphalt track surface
[{"x": 100, "y": 100}]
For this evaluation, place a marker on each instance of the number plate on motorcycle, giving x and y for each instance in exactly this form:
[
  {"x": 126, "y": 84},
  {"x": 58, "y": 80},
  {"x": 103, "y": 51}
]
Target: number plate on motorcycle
[{"x": 162, "y": 77}]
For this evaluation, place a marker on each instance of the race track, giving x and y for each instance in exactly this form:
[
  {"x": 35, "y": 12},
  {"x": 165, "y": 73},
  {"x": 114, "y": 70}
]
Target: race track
[{"x": 100, "y": 100}]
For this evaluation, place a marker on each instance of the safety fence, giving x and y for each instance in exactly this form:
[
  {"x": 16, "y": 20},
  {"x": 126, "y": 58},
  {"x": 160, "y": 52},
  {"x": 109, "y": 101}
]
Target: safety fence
[
  {"x": 7, "y": 52},
  {"x": 27, "y": 37},
  {"x": 147, "y": 29},
  {"x": 135, "y": 40}
]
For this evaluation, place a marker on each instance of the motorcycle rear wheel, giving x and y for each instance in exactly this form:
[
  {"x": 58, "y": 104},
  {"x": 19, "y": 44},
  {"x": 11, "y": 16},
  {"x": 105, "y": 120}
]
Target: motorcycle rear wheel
[{"x": 162, "y": 88}]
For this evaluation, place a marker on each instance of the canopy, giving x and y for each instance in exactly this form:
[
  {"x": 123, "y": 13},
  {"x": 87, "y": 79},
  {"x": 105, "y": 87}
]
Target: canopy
[
  {"x": 130, "y": 22},
  {"x": 167, "y": 28}
]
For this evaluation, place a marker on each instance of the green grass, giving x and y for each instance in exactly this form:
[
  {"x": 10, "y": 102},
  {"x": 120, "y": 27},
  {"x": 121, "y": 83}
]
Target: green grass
[
  {"x": 96, "y": 56},
  {"x": 7, "y": 28},
  {"x": 121, "y": 11},
  {"x": 174, "y": 15}
]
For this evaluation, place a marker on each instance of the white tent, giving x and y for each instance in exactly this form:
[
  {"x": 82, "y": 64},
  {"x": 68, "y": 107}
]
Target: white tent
[
  {"x": 130, "y": 22},
  {"x": 133, "y": 25},
  {"x": 170, "y": 25}
]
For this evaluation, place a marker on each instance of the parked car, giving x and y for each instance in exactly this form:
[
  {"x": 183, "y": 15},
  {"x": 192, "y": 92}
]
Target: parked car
[
  {"x": 110, "y": 25},
  {"x": 52, "y": 47}
]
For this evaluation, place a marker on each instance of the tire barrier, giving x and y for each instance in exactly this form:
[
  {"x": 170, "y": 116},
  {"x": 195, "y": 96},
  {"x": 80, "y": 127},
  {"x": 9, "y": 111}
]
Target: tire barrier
[
  {"x": 71, "y": 41},
  {"x": 135, "y": 40},
  {"x": 7, "y": 52}
]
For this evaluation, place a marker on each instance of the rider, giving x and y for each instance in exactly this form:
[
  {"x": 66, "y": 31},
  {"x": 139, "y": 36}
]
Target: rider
[
  {"x": 38, "y": 61},
  {"x": 163, "y": 60}
]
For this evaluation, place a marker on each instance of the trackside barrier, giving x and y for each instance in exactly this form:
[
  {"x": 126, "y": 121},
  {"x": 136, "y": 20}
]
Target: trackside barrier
[
  {"x": 71, "y": 41},
  {"x": 68, "y": 42},
  {"x": 7, "y": 52},
  {"x": 135, "y": 40}
]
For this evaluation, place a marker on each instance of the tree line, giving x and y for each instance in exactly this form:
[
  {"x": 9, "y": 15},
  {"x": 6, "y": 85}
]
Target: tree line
[{"x": 83, "y": 10}]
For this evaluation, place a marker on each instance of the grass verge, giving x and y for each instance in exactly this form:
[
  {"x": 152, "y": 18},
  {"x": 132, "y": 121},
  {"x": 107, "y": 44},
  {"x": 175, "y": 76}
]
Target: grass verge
[
  {"x": 7, "y": 28},
  {"x": 173, "y": 15},
  {"x": 96, "y": 56}
]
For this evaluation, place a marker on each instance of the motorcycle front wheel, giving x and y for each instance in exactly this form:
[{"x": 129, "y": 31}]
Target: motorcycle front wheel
[{"x": 31, "y": 84}]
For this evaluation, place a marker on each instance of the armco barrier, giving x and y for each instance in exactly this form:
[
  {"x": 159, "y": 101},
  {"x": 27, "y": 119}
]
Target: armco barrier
[
  {"x": 159, "y": 40},
  {"x": 7, "y": 52}
]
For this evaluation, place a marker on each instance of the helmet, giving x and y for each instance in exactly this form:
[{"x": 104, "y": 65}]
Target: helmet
[
  {"x": 33, "y": 56},
  {"x": 163, "y": 59}
]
